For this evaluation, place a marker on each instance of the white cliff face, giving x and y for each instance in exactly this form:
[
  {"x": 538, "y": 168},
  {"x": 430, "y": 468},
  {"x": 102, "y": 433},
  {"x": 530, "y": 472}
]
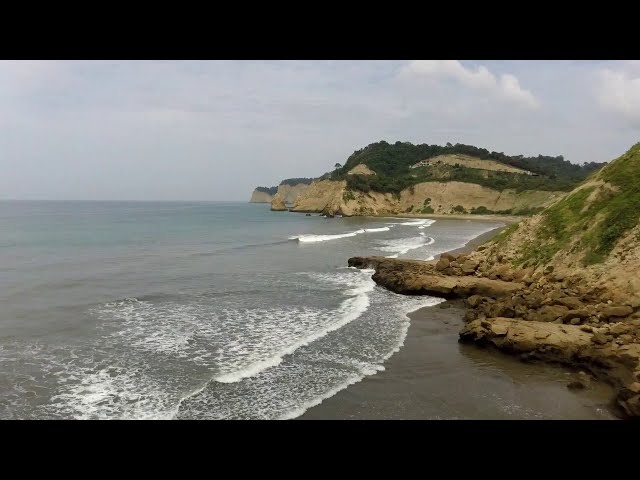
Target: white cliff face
[
  {"x": 290, "y": 193},
  {"x": 260, "y": 197}
]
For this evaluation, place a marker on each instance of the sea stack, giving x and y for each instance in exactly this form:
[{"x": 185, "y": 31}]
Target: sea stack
[{"x": 278, "y": 205}]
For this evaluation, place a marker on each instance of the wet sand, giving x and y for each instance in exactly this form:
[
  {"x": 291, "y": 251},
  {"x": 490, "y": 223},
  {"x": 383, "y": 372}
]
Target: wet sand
[{"x": 435, "y": 377}]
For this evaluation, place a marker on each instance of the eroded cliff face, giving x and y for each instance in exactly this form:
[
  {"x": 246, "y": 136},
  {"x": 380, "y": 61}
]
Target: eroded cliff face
[
  {"x": 290, "y": 193},
  {"x": 321, "y": 196},
  {"x": 431, "y": 197},
  {"x": 260, "y": 197}
]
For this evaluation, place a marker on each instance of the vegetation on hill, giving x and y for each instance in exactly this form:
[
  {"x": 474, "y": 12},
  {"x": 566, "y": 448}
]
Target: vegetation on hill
[
  {"x": 297, "y": 181},
  {"x": 392, "y": 164},
  {"x": 269, "y": 190},
  {"x": 591, "y": 219}
]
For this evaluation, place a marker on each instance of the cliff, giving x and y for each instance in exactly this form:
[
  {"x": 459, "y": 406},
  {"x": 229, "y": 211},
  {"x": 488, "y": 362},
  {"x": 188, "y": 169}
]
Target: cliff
[
  {"x": 335, "y": 197},
  {"x": 290, "y": 193},
  {"x": 260, "y": 197},
  {"x": 561, "y": 286},
  {"x": 383, "y": 179}
]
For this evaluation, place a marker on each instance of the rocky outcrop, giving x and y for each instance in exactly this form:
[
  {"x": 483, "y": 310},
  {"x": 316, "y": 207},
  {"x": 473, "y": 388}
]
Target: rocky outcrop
[
  {"x": 593, "y": 349},
  {"x": 412, "y": 277},
  {"x": 260, "y": 197},
  {"x": 278, "y": 205},
  {"x": 530, "y": 313}
]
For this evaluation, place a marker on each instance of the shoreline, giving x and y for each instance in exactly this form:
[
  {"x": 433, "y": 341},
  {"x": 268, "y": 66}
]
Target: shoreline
[
  {"x": 508, "y": 219},
  {"x": 403, "y": 390},
  {"x": 434, "y": 377},
  {"x": 499, "y": 218}
]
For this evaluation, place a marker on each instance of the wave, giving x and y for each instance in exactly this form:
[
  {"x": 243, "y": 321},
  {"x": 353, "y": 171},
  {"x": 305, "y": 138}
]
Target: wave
[
  {"x": 420, "y": 223},
  {"x": 309, "y": 238},
  {"x": 348, "y": 311},
  {"x": 321, "y": 238},
  {"x": 406, "y": 306},
  {"x": 404, "y": 245}
]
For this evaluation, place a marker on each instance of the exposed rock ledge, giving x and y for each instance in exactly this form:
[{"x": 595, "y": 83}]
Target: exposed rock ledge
[
  {"x": 413, "y": 277},
  {"x": 535, "y": 317}
]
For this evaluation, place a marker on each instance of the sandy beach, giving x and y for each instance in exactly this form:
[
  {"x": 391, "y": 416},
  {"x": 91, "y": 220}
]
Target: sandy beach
[{"x": 435, "y": 377}]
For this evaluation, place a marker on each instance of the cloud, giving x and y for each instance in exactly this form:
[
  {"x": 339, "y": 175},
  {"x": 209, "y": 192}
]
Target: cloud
[
  {"x": 619, "y": 92},
  {"x": 190, "y": 130},
  {"x": 505, "y": 86}
]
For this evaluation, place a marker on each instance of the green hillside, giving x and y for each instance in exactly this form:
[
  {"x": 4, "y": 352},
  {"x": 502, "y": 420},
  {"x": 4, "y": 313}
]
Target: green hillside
[
  {"x": 594, "y": 217},
  {"x": 392, "y": 163}
]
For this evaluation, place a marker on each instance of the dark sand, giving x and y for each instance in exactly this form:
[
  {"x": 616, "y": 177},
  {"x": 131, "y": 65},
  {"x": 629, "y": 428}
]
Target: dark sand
[{"x": 435, "y": 377}]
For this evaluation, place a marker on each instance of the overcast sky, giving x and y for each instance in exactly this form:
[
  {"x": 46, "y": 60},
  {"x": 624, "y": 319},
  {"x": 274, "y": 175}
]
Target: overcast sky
[{"x": 213, "y": 130}]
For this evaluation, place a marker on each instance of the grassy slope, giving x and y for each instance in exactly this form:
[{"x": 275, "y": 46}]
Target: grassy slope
[{"x": 592, "y": 219}]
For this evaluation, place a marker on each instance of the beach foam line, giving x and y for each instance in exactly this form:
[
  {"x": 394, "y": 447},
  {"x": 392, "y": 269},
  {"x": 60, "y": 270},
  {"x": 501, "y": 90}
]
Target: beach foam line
[{"x": 366, "y": 370}]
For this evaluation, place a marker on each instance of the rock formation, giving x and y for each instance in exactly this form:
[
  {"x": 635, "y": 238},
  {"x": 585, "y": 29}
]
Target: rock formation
[
  {"x": 278, "y": 205},
  {"x": 259, "y": 196}
]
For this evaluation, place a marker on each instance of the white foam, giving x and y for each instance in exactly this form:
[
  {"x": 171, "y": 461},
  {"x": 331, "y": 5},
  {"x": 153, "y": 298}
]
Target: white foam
[
  {"x": 401, "y": 246},
  {"x": 420, "y": 223},
  {"x": 322, "y": 238},
  {"x": 309, "y": 238},
  {"x": 348, "y": 311},
  {"x": 406, "y": 306}
]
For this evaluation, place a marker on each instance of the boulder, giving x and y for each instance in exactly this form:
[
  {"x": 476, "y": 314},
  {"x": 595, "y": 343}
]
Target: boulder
[
  {"x": 548, "y": 313},
  {"x": 570, "y": 302},
  {"x": 599, "y": 338},
  {"x": 442, "y": 264},
  {"x": 504, "y": 272},
  {"x": 474, "y": 300},
  {"x": 610, "y": 311},
  {"x": 447, "y": 256},
  {"x": 576, "y": 385},
  {"x": 582, "y": 313},
  {"x": 534, "y": 299},
  {"x": 469, "y": 267}
]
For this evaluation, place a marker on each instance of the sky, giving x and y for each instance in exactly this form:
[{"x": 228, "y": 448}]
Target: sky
[{"x": 214, "y": 130}]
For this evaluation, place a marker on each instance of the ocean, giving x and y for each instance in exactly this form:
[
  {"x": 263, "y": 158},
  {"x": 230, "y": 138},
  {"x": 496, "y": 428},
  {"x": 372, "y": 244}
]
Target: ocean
[{"x": 179, "y": 310}]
